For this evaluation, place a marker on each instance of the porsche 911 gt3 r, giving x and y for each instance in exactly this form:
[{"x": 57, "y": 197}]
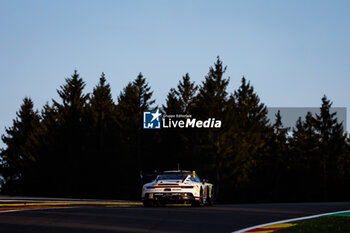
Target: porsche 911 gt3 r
[{"x": 177, "y": 187}]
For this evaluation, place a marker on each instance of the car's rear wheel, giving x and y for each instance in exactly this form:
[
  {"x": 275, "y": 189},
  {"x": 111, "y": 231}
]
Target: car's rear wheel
[
  {"x": 210, "y": 199},
  {"x": 201, "y": 200},
  {"x": 148, "y": 203}
]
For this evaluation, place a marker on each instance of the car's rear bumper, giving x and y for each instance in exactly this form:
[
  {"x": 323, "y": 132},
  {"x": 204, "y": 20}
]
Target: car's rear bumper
[{"x": 169, "y": 197}]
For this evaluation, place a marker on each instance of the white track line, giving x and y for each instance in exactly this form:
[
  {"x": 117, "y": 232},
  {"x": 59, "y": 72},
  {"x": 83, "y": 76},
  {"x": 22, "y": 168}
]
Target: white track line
[
  {"x": 47, "y": 208},
  {"x": 288, "y": 220},
  {"x": 8, "y": 211}
]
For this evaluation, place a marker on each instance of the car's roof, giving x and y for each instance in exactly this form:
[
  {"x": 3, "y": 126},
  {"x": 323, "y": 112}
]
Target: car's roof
[{"x": 176, "y": 172}]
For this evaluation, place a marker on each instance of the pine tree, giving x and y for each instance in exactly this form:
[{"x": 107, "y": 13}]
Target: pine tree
[
  {"x": 185, "y": 93},
  {"x": 212, "y": 96},
  {"x": 72, "y": 97},
  {"x": 249, "y": 132},
  {"x": 72, "y": 131},
  {"x": 332, "y": 147},
  {"x": 273, "y": 165},
  {"x": 177, "y": 143},
  {"x": 181, "y": 100},
  {"x": 144, "y": 94},
  {"x": 103, "y": 112},
  {"x": 344, "y": 170},
  {"x": 280, "y": 131},
  {"x": 19, "y": 156},
  {"x": 132, "y": 102},
  {"x": 104, "y": 138},
  {"x": 173, "y": 105},
  {"x": 210, "y": 102},
  {"x": 49, "y": 146},
  {"x": 304, "y": 163}
]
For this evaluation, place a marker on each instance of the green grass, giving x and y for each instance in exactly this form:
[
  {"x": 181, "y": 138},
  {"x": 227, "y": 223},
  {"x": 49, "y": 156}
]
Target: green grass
[
  {"x": 327, "y": 224},
  {"x": 345, "y": 214}
]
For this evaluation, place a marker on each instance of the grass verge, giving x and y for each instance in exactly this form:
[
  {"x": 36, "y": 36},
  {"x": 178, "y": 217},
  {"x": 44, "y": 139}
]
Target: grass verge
[{"x": 326, "y": 224}]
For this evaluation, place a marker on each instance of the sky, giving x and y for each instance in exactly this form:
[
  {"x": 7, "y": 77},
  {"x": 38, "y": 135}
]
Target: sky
[{"x": 293, "y": 52}]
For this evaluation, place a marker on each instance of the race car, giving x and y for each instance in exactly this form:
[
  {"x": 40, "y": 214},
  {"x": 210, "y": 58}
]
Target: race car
[{"x": 175, "y": 187}]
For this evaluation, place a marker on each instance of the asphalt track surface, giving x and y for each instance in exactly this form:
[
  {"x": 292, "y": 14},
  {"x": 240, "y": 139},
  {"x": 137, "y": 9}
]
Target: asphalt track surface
[{"x": 218, "y": 218}]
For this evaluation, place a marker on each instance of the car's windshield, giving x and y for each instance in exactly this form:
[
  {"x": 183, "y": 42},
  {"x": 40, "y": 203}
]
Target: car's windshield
[{"x": 172, "y": 177}]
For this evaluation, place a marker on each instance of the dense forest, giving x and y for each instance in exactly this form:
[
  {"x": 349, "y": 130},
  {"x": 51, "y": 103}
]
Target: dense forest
[{"x": 88, "y": 145}]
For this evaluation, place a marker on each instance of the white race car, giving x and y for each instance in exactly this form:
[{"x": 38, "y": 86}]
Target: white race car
[{"x": 177, "y": 187}]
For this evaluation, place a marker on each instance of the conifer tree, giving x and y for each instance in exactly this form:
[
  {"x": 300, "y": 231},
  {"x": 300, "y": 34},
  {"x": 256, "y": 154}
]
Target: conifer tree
[
  {"x": 305, "y": 138},
  {"x": 103, "y": 112},
  {"x": 181, "y": 100},
  {"x": 72, "y": 97},
  {"x": 19, "y": 156},
  {"x": 80, "y": 144},
  {"x": 132, "y": 102},
  {"x": 128, "y": 109},
  {"x": 173, "y": 104},
  {"x": 332, "y": 147},
  {"x": 72, "y": 141},
  {"x": 144, "y": 93},
  {"x": 210, "y": 102},
  {"x": 177, "y": 143},
  {"x": 304, "y": 163},
  {"x": 49, "y": 143},
  {"x": 272, "y": 170},
  {"x": 279, "y": 130},
  {"x": 185, "y": 93},
  {"x": 250, "y": 132},
  {"x": 104, "y": 138},
  {"x": 212, "y": 96}
]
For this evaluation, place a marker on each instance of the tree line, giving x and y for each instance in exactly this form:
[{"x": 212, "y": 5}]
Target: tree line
[{"x": 88, "y": 145}]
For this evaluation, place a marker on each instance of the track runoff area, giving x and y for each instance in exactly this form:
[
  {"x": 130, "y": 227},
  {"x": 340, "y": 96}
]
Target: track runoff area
[
  {"x": 329, "y": 222},
  {"x": 308, "y": 223}
]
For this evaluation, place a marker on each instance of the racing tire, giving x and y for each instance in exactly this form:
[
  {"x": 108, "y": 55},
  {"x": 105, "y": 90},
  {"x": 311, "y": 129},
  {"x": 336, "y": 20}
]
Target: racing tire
[
  {"x": 148, "y": 203},
  {"x": 160, "y": 204},
  {"x": 210, "y": 200},
  {"x": 200, "y": 203}
]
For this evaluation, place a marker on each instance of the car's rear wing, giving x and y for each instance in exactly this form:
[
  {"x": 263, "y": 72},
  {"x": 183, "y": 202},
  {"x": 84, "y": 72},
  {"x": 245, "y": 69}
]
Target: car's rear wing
[{"x": 147, "y": 177}]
